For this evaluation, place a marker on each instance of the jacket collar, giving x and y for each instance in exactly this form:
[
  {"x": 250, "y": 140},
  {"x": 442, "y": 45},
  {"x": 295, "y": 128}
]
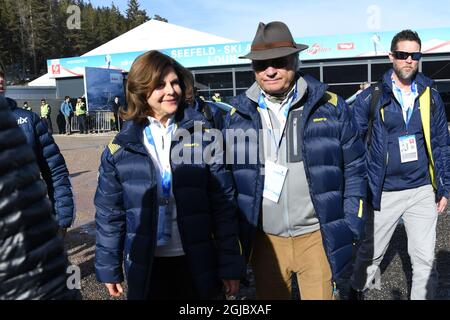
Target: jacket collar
[
  {"x": 421, "y": 80},
  {"x": 187, "y": 116},
  {"x": 308, "y": 87},
  {"x": 11, "y": 103},
  {"x": 131, "y": 134}
]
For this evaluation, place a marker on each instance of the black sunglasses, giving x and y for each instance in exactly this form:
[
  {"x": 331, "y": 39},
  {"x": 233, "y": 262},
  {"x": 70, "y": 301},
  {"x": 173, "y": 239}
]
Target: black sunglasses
[
  {"x": 402, "y": 55},
  {"x": 277, "y": 63}
]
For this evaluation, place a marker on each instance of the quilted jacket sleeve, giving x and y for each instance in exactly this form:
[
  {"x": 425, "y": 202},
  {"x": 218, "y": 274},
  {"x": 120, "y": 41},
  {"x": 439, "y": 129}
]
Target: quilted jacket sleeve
[
  {"x": 56, "y": 176},
  {"x": 442, "y": 142},
  {"x": 355, "y": 172},
  {"x": 110, "y": 223},
  {"x": 226, "y": 230},
  {"x": 361, "y": 110}
]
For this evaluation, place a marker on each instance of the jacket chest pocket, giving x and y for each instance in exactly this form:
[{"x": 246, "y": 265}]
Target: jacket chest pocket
[{"x": 294, "y": 138}]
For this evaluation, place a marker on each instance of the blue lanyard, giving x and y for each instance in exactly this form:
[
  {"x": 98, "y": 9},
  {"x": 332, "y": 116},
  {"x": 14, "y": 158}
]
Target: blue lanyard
[
  {"x": 166, "y": 175},
  {"x": 408, "y": 116},
  {"x": 399, "y": 96},
  {"x": 265, "y": 113}
]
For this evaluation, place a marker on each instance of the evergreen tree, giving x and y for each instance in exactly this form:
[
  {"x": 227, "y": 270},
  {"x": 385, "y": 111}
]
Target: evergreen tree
[
  {"x": 119, "y": 22},
  {"x": 75, "y": 41},
  {"x": 135, "y": 16},
  {"x": 12, "y": 39},
  {"x": 32, "y": 31},
  {"x": 159, "y": 18}
]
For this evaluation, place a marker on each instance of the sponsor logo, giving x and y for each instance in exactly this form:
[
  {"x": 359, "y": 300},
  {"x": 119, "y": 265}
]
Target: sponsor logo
[
  {"x": 115, "y": 78},
  {"x": 22, "y": 120},
  {"x": 346, "y": 46},
  {"x": 56, "y": 69},
  {"x": 317, "y": 48}
]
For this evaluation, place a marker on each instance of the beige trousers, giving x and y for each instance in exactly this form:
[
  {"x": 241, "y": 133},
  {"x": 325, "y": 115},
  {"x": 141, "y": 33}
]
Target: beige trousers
[{"x": 274, "y": 259}]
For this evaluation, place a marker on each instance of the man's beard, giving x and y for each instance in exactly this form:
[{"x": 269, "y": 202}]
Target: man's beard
[{"x": 403, "y": 74}]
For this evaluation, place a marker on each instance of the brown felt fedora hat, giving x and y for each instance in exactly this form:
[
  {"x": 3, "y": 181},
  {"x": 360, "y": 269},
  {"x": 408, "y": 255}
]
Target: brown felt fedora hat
[{"x": 273, "y": 40}]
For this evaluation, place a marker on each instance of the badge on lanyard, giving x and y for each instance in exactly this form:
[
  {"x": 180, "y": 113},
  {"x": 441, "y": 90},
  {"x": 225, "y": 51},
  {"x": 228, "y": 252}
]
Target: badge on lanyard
[
  {"x": 276, "y": 136},
  {"x": 164, "y": 228},
  {"x": 408, "y": 148},
  {"x": 275, "y": 175}
]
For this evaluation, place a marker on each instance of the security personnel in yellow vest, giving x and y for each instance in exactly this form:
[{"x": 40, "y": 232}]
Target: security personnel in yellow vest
[
  {"x": 45, "y": 114},
  {"x": 216, "y": 97},
  {"x": 80, "y": 112}
]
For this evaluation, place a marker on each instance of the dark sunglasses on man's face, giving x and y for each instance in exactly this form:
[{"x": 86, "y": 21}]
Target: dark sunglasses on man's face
[
  {"x": 402, "y": 55},
  {"x": 275, "y": 63}
]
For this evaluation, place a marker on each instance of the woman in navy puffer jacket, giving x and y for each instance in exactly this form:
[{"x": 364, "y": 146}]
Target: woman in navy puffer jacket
[{"x": 164, "y": 213}]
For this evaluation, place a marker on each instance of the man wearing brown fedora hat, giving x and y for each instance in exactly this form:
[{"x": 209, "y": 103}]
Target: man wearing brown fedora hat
[{"x": 301, "y": 201}]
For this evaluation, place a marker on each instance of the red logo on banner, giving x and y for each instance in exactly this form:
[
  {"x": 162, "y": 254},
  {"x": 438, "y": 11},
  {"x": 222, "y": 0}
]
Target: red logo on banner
[
  {"x": 56, "y": 69},
  {"x": 346, "y": 46}
]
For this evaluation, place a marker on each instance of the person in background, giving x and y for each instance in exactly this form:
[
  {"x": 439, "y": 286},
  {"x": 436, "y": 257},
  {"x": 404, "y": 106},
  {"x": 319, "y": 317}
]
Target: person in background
[
  {"x": 26, "y": 106},
  {"x": 216, "y": 97},
  {"x": 362, "y": 87},
  {"x": 46, "y": 111},
  {"x": 67, "y": 110},
  {"x": 211, "y": 113},
  {"x": 116, "y": 110},
  {"x": 81, "y": 113},
  {"x": 50, "y": 160}
]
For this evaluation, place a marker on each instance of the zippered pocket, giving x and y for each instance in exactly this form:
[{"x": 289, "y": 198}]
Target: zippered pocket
[{"x": 294, "y": 138}]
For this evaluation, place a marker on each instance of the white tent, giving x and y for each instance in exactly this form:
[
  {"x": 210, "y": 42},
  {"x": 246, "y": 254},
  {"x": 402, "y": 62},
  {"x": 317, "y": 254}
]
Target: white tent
[{"x": 150, "y": 35}]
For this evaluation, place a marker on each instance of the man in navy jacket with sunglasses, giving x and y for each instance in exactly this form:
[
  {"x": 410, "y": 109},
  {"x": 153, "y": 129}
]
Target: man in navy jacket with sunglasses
[{"x": 405, "y": 130}]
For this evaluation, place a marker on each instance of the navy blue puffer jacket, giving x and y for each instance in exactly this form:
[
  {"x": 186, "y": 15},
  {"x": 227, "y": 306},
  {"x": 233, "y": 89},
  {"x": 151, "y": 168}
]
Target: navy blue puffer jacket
[
  {"x": 33, "y": 263},
  {"x": 51, "y": 163},
  {"x": 126, "y": 212},
  {"x": 435, "y": 128},
  {"x": 335, "y": 169}
]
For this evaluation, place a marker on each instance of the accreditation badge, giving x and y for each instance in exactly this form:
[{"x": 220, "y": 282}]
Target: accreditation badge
[
  {"x": 275, "y": 175},
  {"x": 408, "y": 148}
]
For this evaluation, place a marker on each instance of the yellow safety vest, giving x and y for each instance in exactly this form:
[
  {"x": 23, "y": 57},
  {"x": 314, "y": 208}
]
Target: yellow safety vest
[
  {"x": 80, "y": 109},
  {"x": 45, "y": 111}
]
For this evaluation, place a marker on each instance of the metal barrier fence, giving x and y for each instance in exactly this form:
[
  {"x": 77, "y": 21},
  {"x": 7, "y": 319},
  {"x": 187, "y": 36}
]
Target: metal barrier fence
[{"x": 98, "y": 121}]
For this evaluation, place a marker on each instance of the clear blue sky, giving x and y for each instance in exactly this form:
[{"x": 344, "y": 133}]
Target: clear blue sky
[{"x": 238, "y": 19}]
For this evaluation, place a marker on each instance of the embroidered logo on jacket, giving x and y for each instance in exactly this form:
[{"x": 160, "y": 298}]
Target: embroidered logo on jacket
[
  {"x": 22, "y": 120},
  {"x": 113, "y": 148},
  {"x": 190, "y": 145}
]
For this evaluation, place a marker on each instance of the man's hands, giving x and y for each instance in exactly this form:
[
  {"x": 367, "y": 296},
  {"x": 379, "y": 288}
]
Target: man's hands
[
  {"x": 115, "y": 289},
  {"x": 441, "y": 205},
  {"x": 231, "y": 287}
]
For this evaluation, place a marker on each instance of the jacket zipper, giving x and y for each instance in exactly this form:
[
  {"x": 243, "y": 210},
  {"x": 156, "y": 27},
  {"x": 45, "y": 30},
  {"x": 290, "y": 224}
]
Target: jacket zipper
[{"x": 295, "y": 142}]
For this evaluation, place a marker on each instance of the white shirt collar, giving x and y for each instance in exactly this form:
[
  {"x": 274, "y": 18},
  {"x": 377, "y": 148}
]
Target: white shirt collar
[
  {"x": 288, "y": 96},
  {"x": 153, "y": 121}
]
